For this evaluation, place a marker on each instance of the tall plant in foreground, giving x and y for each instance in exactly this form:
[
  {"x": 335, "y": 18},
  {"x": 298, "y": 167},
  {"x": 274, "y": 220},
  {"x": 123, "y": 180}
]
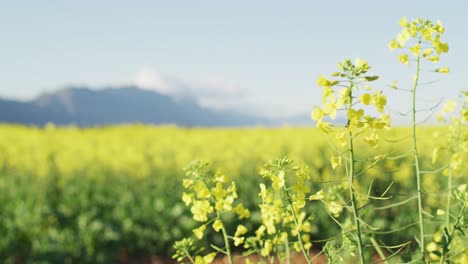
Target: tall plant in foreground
[
  {"x": 348, "y": 90},
  {"x": 419, "y": 41},
  {"x": 211, "y": 199},
  {"x": 447, "y": 244}
]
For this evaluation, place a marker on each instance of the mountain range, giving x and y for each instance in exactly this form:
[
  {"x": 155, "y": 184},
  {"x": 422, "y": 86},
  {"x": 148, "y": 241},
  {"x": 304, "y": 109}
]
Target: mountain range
[{"x": 82, "y": 106}]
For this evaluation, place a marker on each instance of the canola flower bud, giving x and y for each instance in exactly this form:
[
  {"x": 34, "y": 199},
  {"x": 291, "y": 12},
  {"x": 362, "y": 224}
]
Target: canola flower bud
[{"x": 443, "y": 70}]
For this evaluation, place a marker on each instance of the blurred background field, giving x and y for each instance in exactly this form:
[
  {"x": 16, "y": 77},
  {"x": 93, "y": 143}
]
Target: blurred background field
[{"x": 107, "y": 194}]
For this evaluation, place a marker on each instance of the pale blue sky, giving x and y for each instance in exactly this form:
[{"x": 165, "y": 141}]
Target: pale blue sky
[{"x": 259, "y": 56}]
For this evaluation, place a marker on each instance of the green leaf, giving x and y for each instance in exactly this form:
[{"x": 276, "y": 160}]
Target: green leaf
[{"x": 371, "y": 78}]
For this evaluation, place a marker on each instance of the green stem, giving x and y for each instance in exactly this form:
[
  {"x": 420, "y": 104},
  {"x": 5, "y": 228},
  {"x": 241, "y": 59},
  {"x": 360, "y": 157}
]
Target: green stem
[
  {"x": 298, "y": 228},
  {"x": 226, "y": 241},
  {"x": 379, "y": 251},
  {"x": 449, "y": 198},
  {"x": 189, "y": 257},
  {"x": 416, "y": 162},
  {"x": 351, "y": 184},
  {"x": 288, "y": 255},
  {"x": 451, "y": 234},
  {"x": 449, "y": 180},
  {"x": 352, "y": 196}
]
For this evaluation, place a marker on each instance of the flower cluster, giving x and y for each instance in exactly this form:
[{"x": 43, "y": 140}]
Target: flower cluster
[
  {"x": 343, "y": 93},
  {"x": 282, "y": 207},
  {"x": 209, "y": 197},
  {"x": 420, "y": 38},
  {"x": 185, "y": 248}
]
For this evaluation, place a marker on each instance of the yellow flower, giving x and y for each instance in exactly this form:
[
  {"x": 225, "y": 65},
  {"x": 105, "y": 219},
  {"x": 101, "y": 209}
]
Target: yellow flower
[
  {"x": 433, "y": 58},
  {"x": 355, "y": 115},
  {"x": 238, "y": 240},
  {"x": 260, "y": 232},
  {"x": 219, "y": 177},
  {"x": 201, "y": 190},
  {"x": 317, "y": 196},
  {"x": 317, "y": 114},
  {"x": 278, "y": 181},
  {"x": 241, "y": 211},
  {"x": 440, "y": 47},
  {"x": 366, "y": 98},
  {"x": 187, "y": 183},
  {"x": 232, "y": 189},
  {"x": 443, "y": 70},
  {"x": 393, "y": 45},
  {"x": 199, "y": 231},
  {"x": 217, "y": 225},
  {"x": 382, "y": 122},
  {"x": 328, "y": 93},
  {"x": 416, "y": 49},
  {"x": 335, "y": 162},
  {"x": 449, "y": 106},
  {"x": 372, "y": 139},
  {"x": 404, "y": 22},
  {"x": 342, "y": 138},
  {"x": 200, "y": 209},
  {"x": 267, "y": 248},
  {"x": 427, "y": 52},
  {"x": 324, "y": 126},
  {"x": 187, "y": 198},
  {"x": 439, "y": 28},
  {"x": 322, "y": 81},
  {"x": 300, "y": 188},
  {"x": 335, "y": 208},
  {"x": 218, "y": 192},
  {"x": 403, "y": 58},
  {"x": 263, "y": 191},
  {"x": 241, "y": 230},
  {"x": 380, "y": 101},
  {"x": 361, "y": 65},
  {"x": 207, "y": 259},
  {"x": 224, "y": 204},
  {"x": 344, "y": 96}
]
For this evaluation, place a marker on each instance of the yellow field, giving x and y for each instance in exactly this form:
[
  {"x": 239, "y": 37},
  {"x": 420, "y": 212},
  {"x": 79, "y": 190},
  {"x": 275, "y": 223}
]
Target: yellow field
[{"x": 97, "y": 193}]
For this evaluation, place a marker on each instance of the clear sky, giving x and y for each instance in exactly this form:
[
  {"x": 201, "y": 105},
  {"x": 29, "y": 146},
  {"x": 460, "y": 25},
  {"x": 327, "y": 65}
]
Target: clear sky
[{"x": 258, "y": 56}]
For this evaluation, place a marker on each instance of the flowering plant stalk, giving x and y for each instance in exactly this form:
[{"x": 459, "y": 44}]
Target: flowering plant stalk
[
  {"x": 351, "y": 80},
  {"x": 210, "y": 198},
  {"x": 419, "y": 39},
  {"x": 284, "y": 220}
]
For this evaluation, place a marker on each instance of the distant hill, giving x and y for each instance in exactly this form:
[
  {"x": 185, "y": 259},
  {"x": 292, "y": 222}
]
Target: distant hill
[{"x": 85, "y": 107}]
